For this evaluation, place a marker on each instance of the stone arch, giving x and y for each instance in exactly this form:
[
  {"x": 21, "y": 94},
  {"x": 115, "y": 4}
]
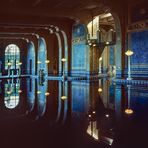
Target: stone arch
[
  {"x": 31, "y": 59},
  {"x": 42, "y": 56}
]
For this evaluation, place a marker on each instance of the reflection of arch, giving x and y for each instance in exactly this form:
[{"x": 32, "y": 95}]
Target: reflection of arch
[
  {"x": 12, "y": 97},
  {"x": 62, "y": 104},
  {"x": 31, "y": 93},
  {"x": 42, "y": 56},
  {"x": 41, "y": 98},
  {"x": 12, "y": 56},
  {"x": 31, "y": 59}
]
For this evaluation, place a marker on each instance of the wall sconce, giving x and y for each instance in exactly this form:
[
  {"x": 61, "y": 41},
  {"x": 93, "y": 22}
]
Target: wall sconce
[
  {"x": 38, "y": 92},
  {"x": 63, "y": 97},
  {"x": 99, "y": 90},
  {"x": 129, "y": 53},
  {"x": 47, "y": 94},
  {"x": 47, "y": 61},
  {"x": 19, "y": 91},
  {"x": 39, "y": 62}
]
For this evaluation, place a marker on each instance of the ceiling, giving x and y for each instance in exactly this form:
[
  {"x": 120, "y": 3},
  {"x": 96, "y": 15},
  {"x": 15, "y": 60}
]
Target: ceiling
[{"x": 35, "y": 9}]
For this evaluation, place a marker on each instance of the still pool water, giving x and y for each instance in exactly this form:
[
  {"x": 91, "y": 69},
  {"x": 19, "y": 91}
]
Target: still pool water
[{"x": 75, "y": 114}]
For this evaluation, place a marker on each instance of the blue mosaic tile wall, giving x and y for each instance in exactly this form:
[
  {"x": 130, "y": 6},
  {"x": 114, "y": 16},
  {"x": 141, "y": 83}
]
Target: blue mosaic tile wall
[
  {"x": 80, "y": 51},
  {"x": 139, "y": 60}
]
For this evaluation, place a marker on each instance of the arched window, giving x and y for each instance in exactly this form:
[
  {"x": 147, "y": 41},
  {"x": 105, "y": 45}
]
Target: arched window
[{"x": 12, "y": 56}]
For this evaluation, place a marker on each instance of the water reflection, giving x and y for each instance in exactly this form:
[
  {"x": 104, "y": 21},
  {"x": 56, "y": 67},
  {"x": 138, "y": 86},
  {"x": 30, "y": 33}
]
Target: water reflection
[
  {"x": 95, "y": 110},
  {"x": 31, "y": 94},
  {"x": 12, "y": 94},
  {"x": 41, "y": 97}
]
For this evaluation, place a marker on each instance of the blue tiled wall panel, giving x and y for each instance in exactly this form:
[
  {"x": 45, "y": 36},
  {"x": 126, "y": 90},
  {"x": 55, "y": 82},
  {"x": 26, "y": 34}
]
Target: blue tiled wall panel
[{"x": 139, "y": 44}]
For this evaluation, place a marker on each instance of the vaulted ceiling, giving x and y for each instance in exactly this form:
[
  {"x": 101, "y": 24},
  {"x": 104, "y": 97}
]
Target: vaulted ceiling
[{"x": 36, "y": 9}]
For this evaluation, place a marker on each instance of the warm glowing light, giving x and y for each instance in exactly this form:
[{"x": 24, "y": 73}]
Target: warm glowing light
[
  {"x": 63, "y": 59},
  {"x": 9, "y": 63},
  {"x": 129, "y": 111},
  {"x": 39, "y": 62},
  {"x": 47, "y": 94},
  {"x": 9, "y": 92},
  {"x": 20, "y": 63},
  {"x": 63, "y": 97},
  {"x": 107, "y": 43},
  {"x": 100, "y": 59},
  {"x": 89, "y": 116},
  {"x": 107, "y": 115},
  {"x": 94, "y": 45},
  {"x": 129, "y": 52},
  {"x": 38, "y": 92},
  {"x": 93, "y": 112},
  {"x": 100, "y": 90},
  {"x": 19, "y": 91},
  {"x": 47, "y": 61}
]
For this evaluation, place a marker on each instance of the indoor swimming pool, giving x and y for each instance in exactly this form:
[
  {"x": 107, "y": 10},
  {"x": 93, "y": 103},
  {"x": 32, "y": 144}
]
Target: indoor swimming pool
[{"x": 37, "y": 113}]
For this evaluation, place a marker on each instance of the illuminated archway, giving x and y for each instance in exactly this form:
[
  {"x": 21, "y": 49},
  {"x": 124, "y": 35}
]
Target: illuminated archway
[{"x": 12, "y": 57}]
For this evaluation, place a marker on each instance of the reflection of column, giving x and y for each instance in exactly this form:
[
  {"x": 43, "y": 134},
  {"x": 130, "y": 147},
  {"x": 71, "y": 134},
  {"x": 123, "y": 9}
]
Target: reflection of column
[
  {"x": 100, "y": 65},
  {"x": 129, "y": 53},
  {"x": 129, "y": 110}
]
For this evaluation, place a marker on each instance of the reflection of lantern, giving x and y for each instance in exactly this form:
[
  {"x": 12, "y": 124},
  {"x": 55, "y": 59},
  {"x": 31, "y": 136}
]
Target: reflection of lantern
[{"x": 129, "y": 110}]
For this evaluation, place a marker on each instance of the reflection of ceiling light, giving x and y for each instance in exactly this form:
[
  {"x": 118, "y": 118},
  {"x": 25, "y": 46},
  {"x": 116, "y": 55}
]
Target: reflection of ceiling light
[
  {"x": 100, "y": 90},
  {"x": 19, "y": 91},
  {"x": 129, "y": 111},
  {"x": 47, "y": 94},
  {"x": 38, "y": 92},
  {"x": 63, "y": 97}
]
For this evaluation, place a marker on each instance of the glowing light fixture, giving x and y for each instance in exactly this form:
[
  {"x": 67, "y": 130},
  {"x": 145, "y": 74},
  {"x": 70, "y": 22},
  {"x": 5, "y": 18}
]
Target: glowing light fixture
[
  {"x": 63, "y": 60},
  {"x": 19, "y": 91},
  {"x": 63, "y": 97},
  {"x": 129, "y": 111},
  {"x": 47, "y": 94},
  {"x": 100, "y": 59},
  {"x": 100, "y": 90},
  {"x": 129, "y": 53},
  {"x": 47, "y": 61},
  {"x": 38, "y": 92},
  {"x": 9, "y": 92},
  {"x": 94, "y": 112},
  {"x": 9, "y": 63}
]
